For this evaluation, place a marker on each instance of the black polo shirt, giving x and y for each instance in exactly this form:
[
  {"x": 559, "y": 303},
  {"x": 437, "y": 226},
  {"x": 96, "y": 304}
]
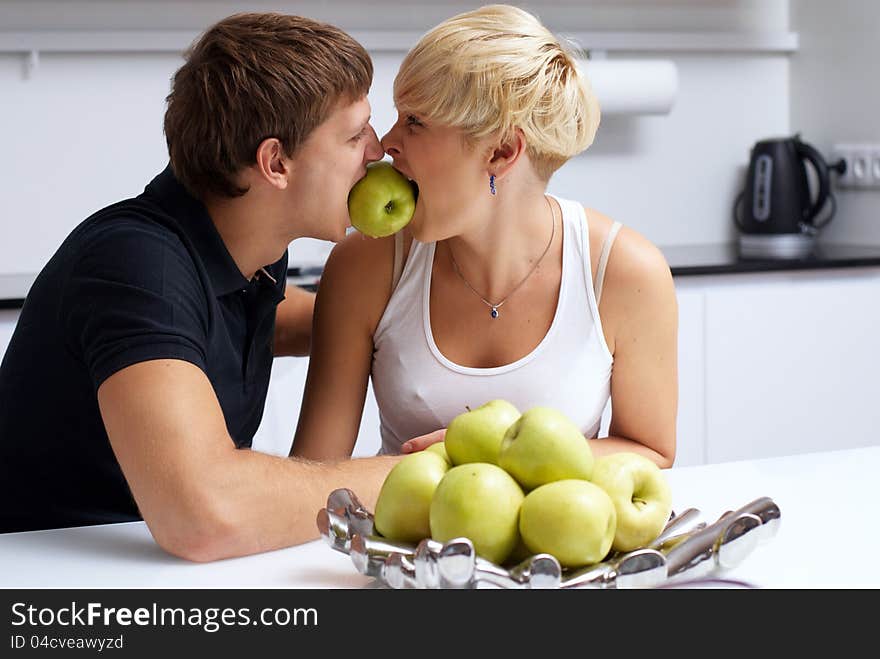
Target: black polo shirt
[{"x": 146, "y": 278}]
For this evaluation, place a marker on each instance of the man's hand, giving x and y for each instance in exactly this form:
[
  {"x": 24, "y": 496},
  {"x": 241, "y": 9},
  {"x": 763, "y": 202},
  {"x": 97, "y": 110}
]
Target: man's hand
[{"x": 422, "y": 442}]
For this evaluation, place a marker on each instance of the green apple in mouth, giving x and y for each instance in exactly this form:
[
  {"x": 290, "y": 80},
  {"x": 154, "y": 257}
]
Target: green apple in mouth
[{"x": 382, "y": 202}]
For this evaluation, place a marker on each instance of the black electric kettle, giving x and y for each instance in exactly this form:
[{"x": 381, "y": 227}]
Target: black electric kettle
[{"x": 776, "y": 211}]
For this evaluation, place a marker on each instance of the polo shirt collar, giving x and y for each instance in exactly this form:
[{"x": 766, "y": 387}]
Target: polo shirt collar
[{"x": 193, "y": 218}]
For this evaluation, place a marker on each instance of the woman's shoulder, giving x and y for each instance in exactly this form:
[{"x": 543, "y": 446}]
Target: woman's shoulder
[
  {"x": 632, "y": 257},
  {"x": 359, "y": 269},
  {"x": 638, "y": 286},
  {"x": 362, "y": 256}
]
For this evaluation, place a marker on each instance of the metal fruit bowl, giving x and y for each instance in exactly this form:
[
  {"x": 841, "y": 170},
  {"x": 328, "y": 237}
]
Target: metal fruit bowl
[{"x": 686, "y": 551}]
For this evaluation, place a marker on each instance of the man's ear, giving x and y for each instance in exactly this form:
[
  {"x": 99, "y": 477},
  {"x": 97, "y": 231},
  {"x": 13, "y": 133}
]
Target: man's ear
[
  {"x": 505, "y": 154},
  {"x": 272, "y": 165}
]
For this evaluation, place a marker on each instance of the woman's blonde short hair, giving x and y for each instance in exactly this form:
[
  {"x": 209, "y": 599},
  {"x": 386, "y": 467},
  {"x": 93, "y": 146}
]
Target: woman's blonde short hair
[{"x": 497, "y": 69}]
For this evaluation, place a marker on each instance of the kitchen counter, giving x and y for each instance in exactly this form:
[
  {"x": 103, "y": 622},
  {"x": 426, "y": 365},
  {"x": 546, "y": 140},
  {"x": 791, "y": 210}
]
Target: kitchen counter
[
  {"x": 14, "y": 288},
  {"x": 826, "y": 500},
  {"x": 684, "y": 260},
  {"x": 724, "y": 258}
]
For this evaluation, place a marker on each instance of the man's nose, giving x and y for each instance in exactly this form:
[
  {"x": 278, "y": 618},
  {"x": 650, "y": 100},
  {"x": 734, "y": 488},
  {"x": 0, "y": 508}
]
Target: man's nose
[{"x": 374, "y": 150}]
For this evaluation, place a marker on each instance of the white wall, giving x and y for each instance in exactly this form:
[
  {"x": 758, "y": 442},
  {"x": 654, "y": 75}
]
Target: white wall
[
  {"x": 85, "y": 129},
  {"x": 835, "y": 97},
  {"x": 83, "y": 132}
]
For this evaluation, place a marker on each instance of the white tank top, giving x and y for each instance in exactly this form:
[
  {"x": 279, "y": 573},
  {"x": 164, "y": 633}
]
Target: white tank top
[{"x": 418, "y": 390}]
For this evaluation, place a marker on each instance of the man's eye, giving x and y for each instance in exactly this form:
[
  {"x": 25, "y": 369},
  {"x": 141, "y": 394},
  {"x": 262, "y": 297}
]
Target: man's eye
[{"x": 412, "y": 121}]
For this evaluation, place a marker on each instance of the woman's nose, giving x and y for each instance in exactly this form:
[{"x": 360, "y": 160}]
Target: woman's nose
[{"x": 390, "y": 145}]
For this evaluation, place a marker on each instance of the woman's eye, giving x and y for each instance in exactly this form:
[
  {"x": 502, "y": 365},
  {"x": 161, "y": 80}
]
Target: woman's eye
[{"x": 412, "y": 121}]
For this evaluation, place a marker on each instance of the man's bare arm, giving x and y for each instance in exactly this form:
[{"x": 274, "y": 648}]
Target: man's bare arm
[
  {"x": 293, "y": 323},
  {"x": 202, "y": 498}
]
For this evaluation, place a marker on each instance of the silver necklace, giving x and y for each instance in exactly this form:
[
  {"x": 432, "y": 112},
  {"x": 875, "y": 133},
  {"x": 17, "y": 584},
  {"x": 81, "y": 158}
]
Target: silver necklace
[{"x": 497, "y": 305}]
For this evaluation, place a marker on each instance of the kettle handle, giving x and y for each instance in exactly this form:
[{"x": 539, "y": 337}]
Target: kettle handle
[
  {"x": 807, "y": 152},
  {"x": 737, "y": 204}
]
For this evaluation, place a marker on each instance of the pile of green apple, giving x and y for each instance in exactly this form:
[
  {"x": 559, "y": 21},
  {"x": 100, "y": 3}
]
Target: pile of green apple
[{"x": 521, "y": 484}]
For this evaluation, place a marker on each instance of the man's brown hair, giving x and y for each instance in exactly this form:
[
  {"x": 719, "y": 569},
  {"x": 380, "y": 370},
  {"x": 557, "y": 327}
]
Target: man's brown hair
[{"x": 250, "y": 77}]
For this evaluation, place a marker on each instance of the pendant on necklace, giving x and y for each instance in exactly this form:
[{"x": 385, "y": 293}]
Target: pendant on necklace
[{"x": 494, "y": 312}]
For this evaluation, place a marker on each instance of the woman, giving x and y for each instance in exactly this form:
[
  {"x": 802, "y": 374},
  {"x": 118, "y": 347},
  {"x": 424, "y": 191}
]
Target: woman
[{"x": 495, "y": 289}]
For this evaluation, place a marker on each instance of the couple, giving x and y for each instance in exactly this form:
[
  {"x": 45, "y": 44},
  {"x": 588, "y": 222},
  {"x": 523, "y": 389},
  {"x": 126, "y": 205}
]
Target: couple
[{"x": 138, "y": 371}]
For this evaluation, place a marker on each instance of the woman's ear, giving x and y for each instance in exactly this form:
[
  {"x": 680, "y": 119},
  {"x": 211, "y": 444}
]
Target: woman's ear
[
  {"x": 505, "y": 155},
  {"x": 272, "y": 165}
]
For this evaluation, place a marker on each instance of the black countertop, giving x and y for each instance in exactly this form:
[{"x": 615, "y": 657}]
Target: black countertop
[
  {"x": 684, "y": 260},
  {"x": 724, "y": 258}
]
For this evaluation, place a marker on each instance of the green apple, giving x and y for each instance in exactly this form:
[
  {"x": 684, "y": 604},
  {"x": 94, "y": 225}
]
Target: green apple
[
  {"x": 641, "y": 497},
  {"x": 440, "y": 449},
  {"x": 382, "y": 202},
  {"x": 543, "y": 446},
  {"x": 404, "y": 502},
  {"x": 572, "y": 519},
  {"x": 479, "y": 501},
  {"x": 476, "y": 435}
]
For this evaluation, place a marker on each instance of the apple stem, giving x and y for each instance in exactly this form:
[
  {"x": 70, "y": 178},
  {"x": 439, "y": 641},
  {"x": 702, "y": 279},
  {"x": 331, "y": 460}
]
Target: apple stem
[{"x": 467, "y": 408}]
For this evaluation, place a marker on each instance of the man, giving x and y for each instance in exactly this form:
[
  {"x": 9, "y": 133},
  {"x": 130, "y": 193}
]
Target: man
[{"x": 141, "y": 360}]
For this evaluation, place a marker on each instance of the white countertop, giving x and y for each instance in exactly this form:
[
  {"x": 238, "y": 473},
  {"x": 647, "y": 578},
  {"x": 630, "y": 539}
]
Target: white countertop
[{"x": 827, "y": 501}]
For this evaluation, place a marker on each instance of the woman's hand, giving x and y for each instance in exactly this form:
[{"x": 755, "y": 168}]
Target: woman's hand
[{"x": 422, "y": 442}]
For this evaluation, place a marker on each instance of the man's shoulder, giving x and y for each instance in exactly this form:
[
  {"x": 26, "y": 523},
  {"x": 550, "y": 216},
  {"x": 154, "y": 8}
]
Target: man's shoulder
[
  {"x": 127, "y": 222},
  {"x": 127, "y": 237}
]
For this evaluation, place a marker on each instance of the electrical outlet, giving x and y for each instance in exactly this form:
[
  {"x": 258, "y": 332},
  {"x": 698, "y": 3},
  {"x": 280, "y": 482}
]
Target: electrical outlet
[{"x": 862, "y": 165}]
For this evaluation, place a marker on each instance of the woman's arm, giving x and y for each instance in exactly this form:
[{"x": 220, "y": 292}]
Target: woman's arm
[
  {"x": 640, "y": 311},
  {"x": 354, "y": 289}
]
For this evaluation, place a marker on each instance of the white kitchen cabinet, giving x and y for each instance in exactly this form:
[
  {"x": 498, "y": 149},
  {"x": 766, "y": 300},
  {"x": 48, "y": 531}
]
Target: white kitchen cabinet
[
  {"x": 283, "y": 403},
  {"x": 691, "y": 421},
  {"x": 791, "y": 362}
]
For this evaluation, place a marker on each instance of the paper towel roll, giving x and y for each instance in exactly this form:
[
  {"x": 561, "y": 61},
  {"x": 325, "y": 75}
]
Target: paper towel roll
[{"x": 633, "y": 86}]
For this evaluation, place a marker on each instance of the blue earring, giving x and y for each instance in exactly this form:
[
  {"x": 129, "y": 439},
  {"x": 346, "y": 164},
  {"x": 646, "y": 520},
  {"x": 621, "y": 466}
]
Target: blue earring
[{"x": 492, "y": 183}]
